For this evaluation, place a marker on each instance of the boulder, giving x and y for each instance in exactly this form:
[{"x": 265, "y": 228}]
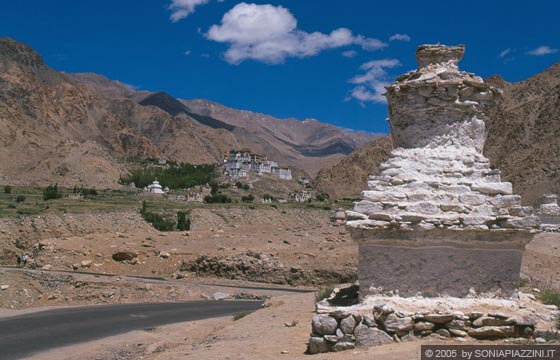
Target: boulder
[
  {"x": 86, "y": 263},
  {"x": 124, "y": 255},
  {"x": 220, "y": 296},
  {"x": 439, "y": 318},
  {"x": 457, "y": 332},
  {"x": 491, "y": 321},
  {"x": 491, "y": 332},
  {"x": 423, "y": 326},
  {"x": 367, "y": 337},
  {"x": 318, "y": 345},
  {"x": 324, "y": 325},
  {"x": 400, "y": 326},
  {"x": 341, "y": 346},
  {"x": 348, "y": 324}
]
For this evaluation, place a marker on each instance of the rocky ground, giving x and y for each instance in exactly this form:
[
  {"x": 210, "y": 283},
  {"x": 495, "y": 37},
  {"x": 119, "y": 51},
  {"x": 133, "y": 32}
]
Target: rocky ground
[
  {"x": 226, "y": 246},
  {"x": 298, "y": 247}
]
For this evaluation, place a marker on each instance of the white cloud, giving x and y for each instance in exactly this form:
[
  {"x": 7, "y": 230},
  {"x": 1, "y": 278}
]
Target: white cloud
[
  {"x": 370, "y": 85},
  {"x": 504, "y": 53},
  {"x": 180, "y": 9},
  {"x": 400, "y": 37},
  {"x": 542, "y": 50},
  {"x": 187, "y": 52},
  {"x": 350, "y": 53},
  {"x": 269, "y": 34}
]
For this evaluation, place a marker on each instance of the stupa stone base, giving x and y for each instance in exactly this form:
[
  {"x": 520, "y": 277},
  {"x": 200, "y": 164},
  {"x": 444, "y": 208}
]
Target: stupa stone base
[
  {"x": 380, "y": 320},
  {"x": 440, "y": 262}
]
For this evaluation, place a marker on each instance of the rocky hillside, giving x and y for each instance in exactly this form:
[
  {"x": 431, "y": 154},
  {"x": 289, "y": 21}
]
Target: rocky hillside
[
  {"x": 523, "y": 142},
  {"x": 524, "y": 133},
  {"x": 348, "y": 178},
  {"x": 53, "y": 128},
  {"x": 80, "y": 128},
  {"x": 308, "y": 145}
]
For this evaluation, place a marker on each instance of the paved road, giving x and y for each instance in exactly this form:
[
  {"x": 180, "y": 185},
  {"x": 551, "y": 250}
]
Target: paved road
[{"x": 28, "y": 334}]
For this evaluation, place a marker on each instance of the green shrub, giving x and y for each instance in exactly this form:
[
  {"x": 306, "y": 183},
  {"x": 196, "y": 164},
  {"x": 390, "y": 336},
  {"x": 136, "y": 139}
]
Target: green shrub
[
  {"x": 246, "y": 187},
  {"x": 183, "y": 221},
  {"x": 218, "y": 198},
  {"x": 7, "y": 189},
  {"x": 51, "y": 192},
  {"x": 159, "y": 222},
  {"x": 89, "y": 192},
  {"x": 324, "y": 293},
  {"x": 550, "y": 297},
  {"x": 214, "y": 188},
  {"x": 268, "y": 197},
  {"x": 20, "y": 198},
  {"x": 249, "y": 198},
  {"x": 176, "y": 176}
]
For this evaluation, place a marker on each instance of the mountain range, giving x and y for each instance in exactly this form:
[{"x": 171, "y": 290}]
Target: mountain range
[{"x": 86, "y": 129}]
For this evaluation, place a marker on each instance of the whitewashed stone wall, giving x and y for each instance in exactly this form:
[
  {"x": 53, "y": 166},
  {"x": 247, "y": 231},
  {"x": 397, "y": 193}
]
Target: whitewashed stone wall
[{"x": 438, "y": 219}]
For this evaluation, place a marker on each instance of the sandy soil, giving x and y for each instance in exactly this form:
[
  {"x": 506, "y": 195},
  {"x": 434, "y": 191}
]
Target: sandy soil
[{"x": 301, "y": 239}]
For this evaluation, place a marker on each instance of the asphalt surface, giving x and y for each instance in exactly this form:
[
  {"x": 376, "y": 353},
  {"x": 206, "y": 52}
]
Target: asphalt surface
[{"x": 32, "y": 333}]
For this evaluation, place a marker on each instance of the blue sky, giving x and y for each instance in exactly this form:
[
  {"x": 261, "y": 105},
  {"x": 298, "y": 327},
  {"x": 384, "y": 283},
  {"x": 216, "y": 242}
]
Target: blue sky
[{"x": 322, "y": 59}]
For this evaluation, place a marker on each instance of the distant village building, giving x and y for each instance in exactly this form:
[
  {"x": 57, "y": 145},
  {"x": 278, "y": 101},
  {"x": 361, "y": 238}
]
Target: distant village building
[
  {"x": 197, "y": 194},
  {"x": 304, "y": 181},
  {"x": 301, "y": 196},
  {"x": 154, "y": 188},
  {"x": 238, "y": 164}
]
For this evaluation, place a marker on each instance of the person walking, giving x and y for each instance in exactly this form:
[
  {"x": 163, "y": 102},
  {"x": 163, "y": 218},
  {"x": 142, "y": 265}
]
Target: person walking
[
  {"x": 18, "y": 258},
  {"x": 24, "y": 258}
]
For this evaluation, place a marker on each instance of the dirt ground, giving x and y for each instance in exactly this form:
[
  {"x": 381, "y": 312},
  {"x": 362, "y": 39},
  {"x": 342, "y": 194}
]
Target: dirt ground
[{"x": 233, "y": 247}]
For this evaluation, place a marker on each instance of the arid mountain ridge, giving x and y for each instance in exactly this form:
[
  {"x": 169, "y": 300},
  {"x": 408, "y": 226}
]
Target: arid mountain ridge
[
  {"x": 84, "y": 128},
  {"x": 523, "y": 142}
]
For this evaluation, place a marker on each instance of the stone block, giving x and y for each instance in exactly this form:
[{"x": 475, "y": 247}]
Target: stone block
[
  {"x": 324, "y": 325},
  {"x": 367, "y": 337},
  {"x": 493, "y": 188},
  {"x": 318, "y": 345},
  {"x": 492, "y": 332}
]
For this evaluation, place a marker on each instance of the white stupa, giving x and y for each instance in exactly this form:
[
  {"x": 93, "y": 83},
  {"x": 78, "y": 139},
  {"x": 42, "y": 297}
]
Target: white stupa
[{"x": 155, "y": 188}]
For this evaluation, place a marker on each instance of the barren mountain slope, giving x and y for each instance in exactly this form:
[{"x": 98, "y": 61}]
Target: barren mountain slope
[
  {"x": 55, "y": 129},
  {"x": 348, "y": 178},
  {"x": 524, "y": 133},
  {"x": 309, "y": 144},
  {"x": 523, "y": 142}
]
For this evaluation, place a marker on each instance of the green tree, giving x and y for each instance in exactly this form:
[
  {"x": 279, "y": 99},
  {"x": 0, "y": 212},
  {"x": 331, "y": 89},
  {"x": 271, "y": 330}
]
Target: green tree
[
  {"x": 7, "y": 189},
  {"x": 183, "y": 221},
  {"x": 51, "y": 192}
]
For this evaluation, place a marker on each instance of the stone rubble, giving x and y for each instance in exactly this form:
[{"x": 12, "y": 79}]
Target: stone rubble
[
  {"x": 384, "y": 320},
  {"x": 549, "y": 213}
]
